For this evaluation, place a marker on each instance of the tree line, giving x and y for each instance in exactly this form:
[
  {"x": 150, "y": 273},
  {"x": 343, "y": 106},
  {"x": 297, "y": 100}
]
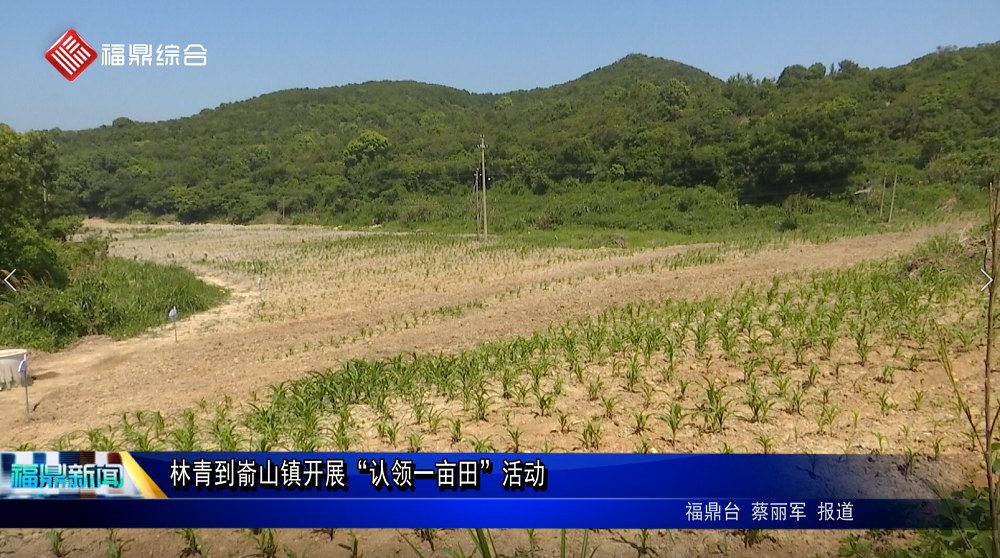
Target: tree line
[{"x": 355, "y": 153}]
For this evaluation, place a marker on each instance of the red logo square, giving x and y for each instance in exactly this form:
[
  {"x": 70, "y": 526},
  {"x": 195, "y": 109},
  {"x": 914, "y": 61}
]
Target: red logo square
[{"x": 71, "y": 55}]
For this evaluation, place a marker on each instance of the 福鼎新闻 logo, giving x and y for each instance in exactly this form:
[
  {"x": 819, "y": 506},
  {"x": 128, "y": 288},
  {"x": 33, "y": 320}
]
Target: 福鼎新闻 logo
[{"x": 71, "y": 55}]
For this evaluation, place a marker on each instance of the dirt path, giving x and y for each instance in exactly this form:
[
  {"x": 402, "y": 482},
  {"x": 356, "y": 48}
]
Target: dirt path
[{"x": 222, "y": 353}]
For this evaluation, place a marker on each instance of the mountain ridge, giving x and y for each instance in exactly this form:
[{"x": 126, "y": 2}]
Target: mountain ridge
[{"x": 354, "y": 152}]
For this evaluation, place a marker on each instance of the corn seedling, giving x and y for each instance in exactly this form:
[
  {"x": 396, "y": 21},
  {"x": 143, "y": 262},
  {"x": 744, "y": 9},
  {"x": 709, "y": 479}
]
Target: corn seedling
[
  {"x": 591, "y": 436},
  {"x": 938, "y": 446},
  {"x": 633, "y": 374},
  {"x": 775, "y": 365},
  {"x": 595, "y": 388},
  {"x": 799, "y": 346},
  {"x": 456, "y": 430},
  {"x": 794, "y": 402},
  {"x": 641, "y": 545},
  {"x": 609, "y": 404},
  {"x": 342, "y": 436},
  {"x": 758, "y": 402},
  {"x": 545, "y": 402},
  {"x": 388, "y": 431},
  {"x": 813, "y": 376},
  {"x": 701, "y": 335},
  {"x": 751, "y": 537},
  {"x": 117, "y": 545},
  {"x": 482, "y": 542},
  {"x": 674, "y": 419},
  {"x": 714, "y": 408},
  {"x": 483, "y": 445},
  {"x": 885, "y": 402},
  {"x": 781, "y": 383},
  {"x": 414, "y": 441},
  {"x": 682, "y": 388},
  {"x": 194, "y": 545},
  {"x": 966, "y": 337},
  {"x": 482, "y": 405},
  {"x": 641, "y": 420},
  {"x": 57, "y": 542},
  {"x": 648, "y": 391},
  {"x": 882, "y": 442},
  {"x": 827, "y": 416},
  {"x": 515, "y": 439},
  {"x": 765, "y": 442},
  {"x": 434, "y": 418},
  {"x": 546, "y": 448},
  {"x": 856, "y": 384},
  {"x": 564, "y": 424},
  {"x": 727, "y": 338},
  {"x": 99, "y": 441},
  {"x": 290, "y": 553},
  {"x": 223, "y": 430},
  {"x": 917, "y": 398},
  {"x": 643, "y": 446},
  {"x": 861, "y": 334},
  {"x": 911, "y": 459},
  {"x": 352, "y": 546},
  {"x": 749, "y": 367}
]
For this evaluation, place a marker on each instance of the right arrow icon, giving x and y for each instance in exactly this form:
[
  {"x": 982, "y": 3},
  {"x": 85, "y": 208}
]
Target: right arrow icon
[{"x": 988, "y": 282}]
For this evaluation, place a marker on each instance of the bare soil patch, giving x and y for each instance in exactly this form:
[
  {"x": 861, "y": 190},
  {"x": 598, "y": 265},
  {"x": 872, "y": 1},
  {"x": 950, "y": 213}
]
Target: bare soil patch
[{"x": 303, "y": 298}]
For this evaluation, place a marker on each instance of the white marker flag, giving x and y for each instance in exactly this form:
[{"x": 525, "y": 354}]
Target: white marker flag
[
  {"x": 173, "y": 314},
  {"x": 22, "y": 368}
]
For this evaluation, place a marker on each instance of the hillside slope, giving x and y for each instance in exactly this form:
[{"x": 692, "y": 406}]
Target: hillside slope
[{"x": 373, "y": 151}]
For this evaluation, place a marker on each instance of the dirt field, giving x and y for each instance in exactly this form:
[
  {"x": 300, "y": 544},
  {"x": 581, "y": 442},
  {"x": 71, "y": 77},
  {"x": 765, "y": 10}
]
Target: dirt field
[{"x": 304, "y": 298}]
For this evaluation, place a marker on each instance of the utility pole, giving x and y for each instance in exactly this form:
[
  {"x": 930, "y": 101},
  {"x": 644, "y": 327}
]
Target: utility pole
[
  {"x": 482, "y": 149},
  {"x": 881, "y": 204},
  {"x": 892, "y": 203},
  {"x": 475, "y": 201}
]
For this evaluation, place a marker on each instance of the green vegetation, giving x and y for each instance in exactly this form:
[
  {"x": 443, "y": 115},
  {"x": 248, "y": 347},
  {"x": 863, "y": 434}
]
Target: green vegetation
[
  {"x": 970, "y": 508},
  {"x": 115, "y": 297},
  {"x": 695, "y": 153},
  {"x": 71, "y": 288}
]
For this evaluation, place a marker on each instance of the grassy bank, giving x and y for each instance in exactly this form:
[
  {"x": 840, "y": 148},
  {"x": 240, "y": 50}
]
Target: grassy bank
[{"x": 106, "y": 296}]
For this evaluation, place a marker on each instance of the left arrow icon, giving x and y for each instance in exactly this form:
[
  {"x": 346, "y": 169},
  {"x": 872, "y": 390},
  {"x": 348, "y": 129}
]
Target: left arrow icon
[
  {"x": 988, "y": 282},
  {"x": 5, "y": 280}
]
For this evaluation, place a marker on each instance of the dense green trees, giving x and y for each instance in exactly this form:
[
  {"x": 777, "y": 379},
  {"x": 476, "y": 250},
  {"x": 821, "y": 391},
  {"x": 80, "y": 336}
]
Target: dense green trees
[
  {"x": 809, "y": 149},
  {"x": 29, "y": 225},
  {"x": 355, "y": 153},
  {"x": 68, "y": 289}
]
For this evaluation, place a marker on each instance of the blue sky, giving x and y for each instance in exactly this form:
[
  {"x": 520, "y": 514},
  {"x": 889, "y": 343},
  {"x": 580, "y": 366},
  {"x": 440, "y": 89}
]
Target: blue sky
[{"x": 258, "y": 47}]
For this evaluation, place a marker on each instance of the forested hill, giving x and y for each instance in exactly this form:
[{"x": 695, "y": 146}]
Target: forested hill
[{"x": 363, "y": 153}]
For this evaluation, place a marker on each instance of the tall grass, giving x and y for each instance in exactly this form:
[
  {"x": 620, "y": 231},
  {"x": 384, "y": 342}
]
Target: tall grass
[{"x": 115, "y": 297}]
